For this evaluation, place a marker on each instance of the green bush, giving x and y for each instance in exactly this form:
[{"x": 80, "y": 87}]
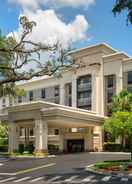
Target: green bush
[
  {"x": 29, "y": 148},
  {"x": 3, "y": 141},
  {"x": 3, "y": 148},
  {"x": 113, "y": 147},
  {"x": 53, "y": 147},
  {"x": 102, "y": 165},
  {"x": 21, "y": 148},
  {"x": 105, "y": 165}
]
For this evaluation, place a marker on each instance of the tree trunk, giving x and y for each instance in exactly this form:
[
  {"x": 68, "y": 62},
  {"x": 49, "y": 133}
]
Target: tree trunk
[
  {"x": 131, "y": 147},
  {"x": 123, "y": 142}
]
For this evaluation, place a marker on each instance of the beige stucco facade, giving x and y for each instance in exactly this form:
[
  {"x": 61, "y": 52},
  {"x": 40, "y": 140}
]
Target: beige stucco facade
[{"x": 100, "y": 73}]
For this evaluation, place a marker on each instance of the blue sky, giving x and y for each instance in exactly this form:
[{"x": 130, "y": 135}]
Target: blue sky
[{"x": 104, "y": 27}]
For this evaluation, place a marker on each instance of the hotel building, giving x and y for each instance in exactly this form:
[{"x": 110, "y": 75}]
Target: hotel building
[{"x": 66, "y": 114}]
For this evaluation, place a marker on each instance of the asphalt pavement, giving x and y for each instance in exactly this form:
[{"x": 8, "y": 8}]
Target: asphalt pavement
[{"x": 61, "y": 169}]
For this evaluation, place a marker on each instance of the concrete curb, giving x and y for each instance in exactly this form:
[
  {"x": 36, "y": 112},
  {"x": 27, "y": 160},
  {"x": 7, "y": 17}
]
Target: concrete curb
[
  {"x": 5, "y": 160},
  {"x": 32, "y": 156},
  {"x": 113, "y": 153}
]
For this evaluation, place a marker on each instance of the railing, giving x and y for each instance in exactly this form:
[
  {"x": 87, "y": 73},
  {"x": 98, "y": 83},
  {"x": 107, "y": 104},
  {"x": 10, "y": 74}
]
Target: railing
[
  {"x": 84, "y": 87},
  {"x": 84, "y": 101},
  {"x": 53, "y": 99}
]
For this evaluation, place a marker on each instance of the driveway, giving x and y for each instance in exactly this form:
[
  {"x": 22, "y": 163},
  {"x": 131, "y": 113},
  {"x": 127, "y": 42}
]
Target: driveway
[{"x": 60, "y": 169}]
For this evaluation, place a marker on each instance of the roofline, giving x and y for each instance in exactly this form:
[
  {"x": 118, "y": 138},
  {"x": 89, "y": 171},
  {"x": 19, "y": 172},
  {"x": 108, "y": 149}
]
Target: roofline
[
  {"x": 34, "y": 80},
  {"x": 37, "y": 103},
  {"x": 116, "y": 54},
  {"x": 48, "y": 112},
  {"x": 128, "y": 59},
  {"x": 92, "y": 46}
]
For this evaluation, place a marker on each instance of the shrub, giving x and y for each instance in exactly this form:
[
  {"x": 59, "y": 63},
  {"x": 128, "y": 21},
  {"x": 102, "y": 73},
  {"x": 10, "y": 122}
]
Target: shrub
[
  {"x": 3, "y": 148},
  {"x": 29, "y": 148},
  {"x": 113, "y": 147},
  {"x": 3, "y": 141},
  {"x": 53, "y": 147},
  {"x": 105, "y": 165},
  {"x": 21, "y": 148},
  {"x": 102, "y": 165}
]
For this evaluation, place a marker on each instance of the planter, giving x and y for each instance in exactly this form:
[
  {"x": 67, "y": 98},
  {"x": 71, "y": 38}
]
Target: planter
[{"x": 121, "y": 168}]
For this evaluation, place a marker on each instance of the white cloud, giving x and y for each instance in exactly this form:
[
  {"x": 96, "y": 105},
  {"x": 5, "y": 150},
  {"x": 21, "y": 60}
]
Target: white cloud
[
  {"x": 34, "y": 4},
  {"x": 50, "y": 28},
  {"x": 73, "y": 3}
]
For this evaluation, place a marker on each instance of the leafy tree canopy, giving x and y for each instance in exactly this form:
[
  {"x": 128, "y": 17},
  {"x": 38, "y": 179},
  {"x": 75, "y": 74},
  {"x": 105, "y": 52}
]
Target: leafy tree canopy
[
  {"x": 124, "y": 5},
  {"x": 120, "y": 123},
  {"x": 122, "y": 102},
  {"x": 3, "y": 131}
]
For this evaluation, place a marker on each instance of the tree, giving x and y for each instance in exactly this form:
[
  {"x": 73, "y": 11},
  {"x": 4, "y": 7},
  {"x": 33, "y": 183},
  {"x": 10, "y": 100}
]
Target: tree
[
  {"x": 123, "y": 5},
  {"x": 122, "y": 102},
  {"x": 120, "y": 123},
  {"x": 16, "y": 54},
  {"x": 3, "y": 131},
  {"x": 3, "y": 134}
]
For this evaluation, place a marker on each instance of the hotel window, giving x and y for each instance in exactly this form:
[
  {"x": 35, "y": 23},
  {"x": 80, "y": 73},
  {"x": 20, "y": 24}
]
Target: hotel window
[
  {"x": 110, "y": 91},
  {"x": 10, "y": 101},
  {"x": 43, "y": 93},
  {"x": 31, "y": 132},
  {"x": 68, "y": 97},
  {"x": 129, "y": 83},
  {"x": 56, "y": 132},
  {"x": 84, "y": 92},
  {"x": 57, "y": 90},
  {"x": 22, "y": 132},
  {"x": 30, "y": 95},
  {"x": 3, "y": 102},
  {"x": 56, "y": 94},
  {"x": 19, "y": 98}
]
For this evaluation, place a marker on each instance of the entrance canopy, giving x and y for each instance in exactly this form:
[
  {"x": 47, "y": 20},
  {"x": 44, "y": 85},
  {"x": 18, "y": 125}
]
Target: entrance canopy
[
  {"x": 55, "y": 115},
  {"x": 44, "y": 117},
  {"x": 70, "y": 117}
]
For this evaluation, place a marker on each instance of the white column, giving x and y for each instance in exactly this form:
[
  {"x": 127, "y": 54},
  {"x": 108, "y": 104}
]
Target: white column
[
  {"x": 102, "y": 92},
  {"x": 94, "y": 89},
  {"x": 74, "y": 91},
  {"x": 101, "y": 138},
  {"x": 86, "y": 140},
  {"x": 90, "y": 138},
  {"x": 62, "y": 94},
  {"x": 119, "y": 79},
  {"x": 61, "y": 146},
  {"x": 41, "y": 137},
  {"x": 100, "y": 129},
  {"x": 13, "y": 137}
]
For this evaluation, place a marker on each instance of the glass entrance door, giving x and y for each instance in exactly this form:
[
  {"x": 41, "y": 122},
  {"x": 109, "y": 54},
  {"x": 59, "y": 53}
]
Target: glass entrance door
[{"x": 74, "y": 146}]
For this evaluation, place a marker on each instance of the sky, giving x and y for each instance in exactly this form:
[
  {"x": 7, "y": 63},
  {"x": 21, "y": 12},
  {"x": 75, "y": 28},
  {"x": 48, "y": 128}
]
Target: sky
[{"x": 77, "y": 22}]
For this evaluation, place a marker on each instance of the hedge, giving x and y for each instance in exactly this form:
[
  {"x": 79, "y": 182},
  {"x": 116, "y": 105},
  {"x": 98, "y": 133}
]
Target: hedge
[
  {"x": 3, "y": 148},
  {"x": 113, "y": 147},
  {"x": 29, "y": 148}
]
